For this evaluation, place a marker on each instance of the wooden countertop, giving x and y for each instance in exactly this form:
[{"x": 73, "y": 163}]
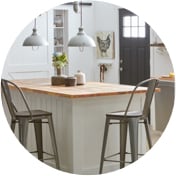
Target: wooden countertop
[
  {"x": 167, "y": 78},
  {"x": 90, "y": 89}
]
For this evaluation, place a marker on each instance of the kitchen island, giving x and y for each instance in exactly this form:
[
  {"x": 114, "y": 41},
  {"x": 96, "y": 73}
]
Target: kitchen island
[{"x": 79, "y": 114}]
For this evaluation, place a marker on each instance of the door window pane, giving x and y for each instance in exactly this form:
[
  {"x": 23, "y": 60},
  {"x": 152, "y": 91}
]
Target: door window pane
[
  {"x": 141, "y": 22},
  {"x": 134, "y": 32},
  {"x": 127, "y": 21},
  {"x": 134, "y": 21},
  {"x": 126, "y": 32}
]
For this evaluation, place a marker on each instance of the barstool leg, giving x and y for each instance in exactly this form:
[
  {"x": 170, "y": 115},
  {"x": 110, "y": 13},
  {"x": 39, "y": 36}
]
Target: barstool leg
[
  {"x": 39, "y": 138},
  {"x": 23, "y": 131},
  {"x": 133, "y": 129},
  {"x": 53, "y": 140},
  {"x": 104, "y": 144},
  {"x": 148, "y": 133},
  {"x": 123, "y": 139},
  {"x": 13, "y": 124}
]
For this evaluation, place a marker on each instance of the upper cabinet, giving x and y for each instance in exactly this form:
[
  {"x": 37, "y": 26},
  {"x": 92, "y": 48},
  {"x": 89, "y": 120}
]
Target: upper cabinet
[
  {"x": 57, "y": 20},
  {"x": 155, "y": 40},
  {"x": 60, "y": 28}
]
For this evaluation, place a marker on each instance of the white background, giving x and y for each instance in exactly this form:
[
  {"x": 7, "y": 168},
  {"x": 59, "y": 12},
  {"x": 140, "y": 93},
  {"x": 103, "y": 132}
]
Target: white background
[{"x": 15, "y": 15}]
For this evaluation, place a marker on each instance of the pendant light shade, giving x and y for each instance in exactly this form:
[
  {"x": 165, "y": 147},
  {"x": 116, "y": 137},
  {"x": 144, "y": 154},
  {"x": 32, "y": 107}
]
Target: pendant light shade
[
  {"x": 81, "y": 39},
  {"x": 35, "y": 39}
]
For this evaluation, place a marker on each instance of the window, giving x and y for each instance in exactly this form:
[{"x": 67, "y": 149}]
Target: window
[{"x": 133, "y": 27}]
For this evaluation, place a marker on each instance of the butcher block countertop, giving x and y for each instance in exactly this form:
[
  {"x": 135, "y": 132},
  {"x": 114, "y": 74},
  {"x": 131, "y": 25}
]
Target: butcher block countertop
[
  {"x": 167, "y": 78},
  {"x": 90, "y": 89}
]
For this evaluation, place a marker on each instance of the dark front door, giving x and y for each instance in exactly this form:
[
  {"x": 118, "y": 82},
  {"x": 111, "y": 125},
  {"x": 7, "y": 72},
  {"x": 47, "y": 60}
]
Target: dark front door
[{"x": 134, "y": 48}]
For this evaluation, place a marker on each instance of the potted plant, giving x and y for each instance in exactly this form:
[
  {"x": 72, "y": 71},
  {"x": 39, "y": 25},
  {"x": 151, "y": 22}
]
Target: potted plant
[{"x": 59, "y": 61}]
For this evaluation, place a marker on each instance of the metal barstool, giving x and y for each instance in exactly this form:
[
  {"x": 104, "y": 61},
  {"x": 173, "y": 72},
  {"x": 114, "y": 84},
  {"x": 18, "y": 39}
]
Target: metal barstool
[
  {"x": 132, "y": 119},
  {"x": 23, "y": 118}
]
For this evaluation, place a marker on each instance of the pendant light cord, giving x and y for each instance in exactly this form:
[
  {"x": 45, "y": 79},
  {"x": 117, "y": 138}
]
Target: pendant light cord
[
  {"x": 81, "y": 12},
  {"x": 35, "y": 23}
]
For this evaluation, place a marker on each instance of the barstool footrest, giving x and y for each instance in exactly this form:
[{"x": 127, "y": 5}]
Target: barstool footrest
[
  {"x": 117, "y": 161},
  {"x": 126, "y": 153},
  {"x": 44, "y": 159}
]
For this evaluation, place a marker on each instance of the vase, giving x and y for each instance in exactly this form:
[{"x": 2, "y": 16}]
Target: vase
[{"x": 59, "y": 72}]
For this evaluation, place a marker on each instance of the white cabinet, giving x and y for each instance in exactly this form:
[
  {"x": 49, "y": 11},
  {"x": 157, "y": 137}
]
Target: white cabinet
[
  {"x": 60, "y": 33},
  {"x": 164, "y": 104}
]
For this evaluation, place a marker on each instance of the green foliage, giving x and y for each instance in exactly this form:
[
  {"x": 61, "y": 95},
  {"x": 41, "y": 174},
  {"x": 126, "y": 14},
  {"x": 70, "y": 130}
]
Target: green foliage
[{"x": 59, "y": 60}]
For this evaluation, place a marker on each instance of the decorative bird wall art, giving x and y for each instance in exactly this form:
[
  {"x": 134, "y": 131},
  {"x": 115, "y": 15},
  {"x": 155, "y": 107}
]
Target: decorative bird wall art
[{"x": 105, "y": 44}]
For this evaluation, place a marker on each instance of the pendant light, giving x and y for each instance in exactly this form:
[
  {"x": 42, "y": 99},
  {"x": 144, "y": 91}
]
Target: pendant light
[
  {"x": 35, "y": 40},
  {"x": 81, "y": 40}
]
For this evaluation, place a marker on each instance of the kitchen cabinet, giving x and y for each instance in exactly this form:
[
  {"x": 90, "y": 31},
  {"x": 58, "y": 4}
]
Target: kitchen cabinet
[
  {"x": 60, "y": 30},
  {"x": 164, "y": 104}
]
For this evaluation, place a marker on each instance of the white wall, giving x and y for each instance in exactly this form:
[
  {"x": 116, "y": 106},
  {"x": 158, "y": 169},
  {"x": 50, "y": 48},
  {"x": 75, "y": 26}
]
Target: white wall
[
  {"x": 99, "y": 17},
  {"x": 106, "y": 19},
  {"x": 83, "y": 61}
]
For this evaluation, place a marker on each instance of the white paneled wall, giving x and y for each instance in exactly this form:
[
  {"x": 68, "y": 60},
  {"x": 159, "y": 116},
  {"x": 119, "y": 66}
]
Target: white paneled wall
[{"x": 24, "y": 62}]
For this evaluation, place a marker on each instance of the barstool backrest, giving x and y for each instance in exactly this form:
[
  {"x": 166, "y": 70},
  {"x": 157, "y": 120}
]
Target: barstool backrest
[
  {"x": 151, "y": 85},
  {"x": 5, "y": 86}
]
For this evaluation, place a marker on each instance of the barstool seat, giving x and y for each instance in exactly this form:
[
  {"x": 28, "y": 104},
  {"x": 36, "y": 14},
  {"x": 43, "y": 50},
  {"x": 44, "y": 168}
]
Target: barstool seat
[
  {"x": 120, "y": 114},
  {"x": 132, "y": 119},
  {"x": 23, "y": 118}
]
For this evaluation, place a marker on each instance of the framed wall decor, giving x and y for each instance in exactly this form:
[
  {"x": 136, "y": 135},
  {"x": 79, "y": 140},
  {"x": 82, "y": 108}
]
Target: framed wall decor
[{"x": 105, "y": 45}]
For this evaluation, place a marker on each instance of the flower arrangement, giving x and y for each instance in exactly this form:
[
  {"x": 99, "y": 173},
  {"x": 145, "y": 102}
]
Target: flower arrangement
[{"x": 59, "y": 60}]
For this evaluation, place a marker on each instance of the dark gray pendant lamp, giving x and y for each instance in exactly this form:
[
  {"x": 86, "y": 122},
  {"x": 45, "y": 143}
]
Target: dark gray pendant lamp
[
  {"x": 35, "y": 40},
  {"x": 81, "y": 40}
]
